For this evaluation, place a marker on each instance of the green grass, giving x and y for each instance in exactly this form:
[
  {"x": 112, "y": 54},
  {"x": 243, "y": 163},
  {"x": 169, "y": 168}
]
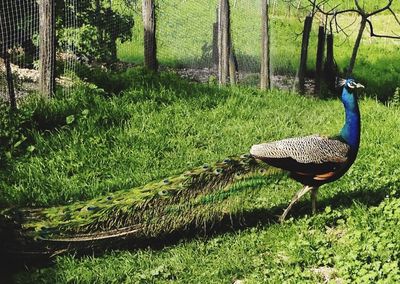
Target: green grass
[{"x": 160, "y": 125}]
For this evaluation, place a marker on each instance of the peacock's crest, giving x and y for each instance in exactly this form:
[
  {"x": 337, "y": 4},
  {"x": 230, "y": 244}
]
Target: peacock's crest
[{"x": 340, "y": 82}]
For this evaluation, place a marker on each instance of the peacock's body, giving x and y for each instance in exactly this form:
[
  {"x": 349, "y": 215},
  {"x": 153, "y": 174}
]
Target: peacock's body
[
  {"x": 316, "y": 160},
  {"x": 180, "y": 201}
]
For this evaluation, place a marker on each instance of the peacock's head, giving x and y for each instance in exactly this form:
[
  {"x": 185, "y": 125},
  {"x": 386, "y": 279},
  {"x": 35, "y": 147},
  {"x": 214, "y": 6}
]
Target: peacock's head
[
  {"x": 350, "y": 84},
  {"x": 350, "y": 87}
]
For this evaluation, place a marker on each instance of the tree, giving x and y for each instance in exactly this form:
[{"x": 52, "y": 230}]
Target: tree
[
  {"x": 364, "y": 23},
  {"x": 99, "y": 26},
  {"x": 365, "y": 20},
  {"x": 312, "y": 8}
]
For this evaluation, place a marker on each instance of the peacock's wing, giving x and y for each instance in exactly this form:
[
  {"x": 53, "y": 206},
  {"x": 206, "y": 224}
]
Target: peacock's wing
[{"x": 311, "y": 155}]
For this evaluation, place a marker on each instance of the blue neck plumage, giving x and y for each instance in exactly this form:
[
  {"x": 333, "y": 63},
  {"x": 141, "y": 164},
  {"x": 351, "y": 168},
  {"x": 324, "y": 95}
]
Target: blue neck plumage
[{"x": 352, "y": 127}]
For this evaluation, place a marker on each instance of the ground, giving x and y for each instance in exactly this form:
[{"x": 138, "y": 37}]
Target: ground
[
  {"x": 131, "y": 127},
  {"x": 161, "y": 125}
]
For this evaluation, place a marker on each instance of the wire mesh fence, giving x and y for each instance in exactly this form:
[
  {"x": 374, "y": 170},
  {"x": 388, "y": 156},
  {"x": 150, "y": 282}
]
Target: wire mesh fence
[
  {"x": 246, "y": 39},
  {"x": 19, "y": 26},
  {"x": 187, "y": 37},
  {"x": 102, "y": 32},
  {"x": 87, "y": 31},
  {"x": 19, "y": 42},
  {"x": 68, "y": 54}
]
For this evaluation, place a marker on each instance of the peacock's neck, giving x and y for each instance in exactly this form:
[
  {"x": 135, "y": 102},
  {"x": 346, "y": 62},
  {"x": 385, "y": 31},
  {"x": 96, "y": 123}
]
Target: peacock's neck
[{"x": 352, "y": 127}]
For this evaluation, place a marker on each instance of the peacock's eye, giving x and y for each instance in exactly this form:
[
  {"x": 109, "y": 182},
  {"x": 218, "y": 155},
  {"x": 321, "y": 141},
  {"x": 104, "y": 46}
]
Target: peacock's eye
[
  {"x": 261, "y": 171},
  {"x": 166, "y": 181},
  {"x": 351, "y": 84},
  {"x": 205, "y": 166},
  {"x": 218, "y": 171}
]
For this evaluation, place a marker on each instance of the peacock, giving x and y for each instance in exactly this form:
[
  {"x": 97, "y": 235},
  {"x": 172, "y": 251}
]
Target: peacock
[
  {"x": 194, "y": 198},
  {"x": 316, "y": 160}
]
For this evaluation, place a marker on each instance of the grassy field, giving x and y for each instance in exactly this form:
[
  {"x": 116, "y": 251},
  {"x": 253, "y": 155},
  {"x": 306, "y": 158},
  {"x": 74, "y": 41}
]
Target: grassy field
[
  {"x": 129, "y": 128},
  {"x": 92, "y": 142},
  {"x": 184, "y": 39}
]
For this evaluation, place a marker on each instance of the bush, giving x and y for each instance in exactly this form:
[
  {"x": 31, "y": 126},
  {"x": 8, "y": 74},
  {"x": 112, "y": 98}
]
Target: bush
[
  {"x": 13, "y": 133},
  {"x": 99, "y": 29}
]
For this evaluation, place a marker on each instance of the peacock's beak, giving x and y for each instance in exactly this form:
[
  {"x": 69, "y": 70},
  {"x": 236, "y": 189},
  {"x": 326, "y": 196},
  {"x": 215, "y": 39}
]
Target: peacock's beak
[{"x": 359, "y": 86}]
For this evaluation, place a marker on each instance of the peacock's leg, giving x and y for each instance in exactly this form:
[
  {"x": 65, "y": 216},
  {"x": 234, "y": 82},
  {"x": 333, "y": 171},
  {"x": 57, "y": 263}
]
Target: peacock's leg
[
  {"x": 295, "y": 198},
  {"x": 314, "y": 192}
]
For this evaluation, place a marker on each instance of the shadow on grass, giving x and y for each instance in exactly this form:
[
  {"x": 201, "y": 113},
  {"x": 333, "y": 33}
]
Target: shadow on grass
[
  {"x": 229, "y": 224},
  {"x": 115, "y": 91},
  {"x": 110, "y": 105},
  {"x": 139, "y": 85},
  {"x": 380, "y": 77}
]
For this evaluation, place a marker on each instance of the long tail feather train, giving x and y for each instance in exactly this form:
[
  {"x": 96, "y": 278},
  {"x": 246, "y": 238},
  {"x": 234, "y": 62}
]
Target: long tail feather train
[{"x": 148, "y": 211}]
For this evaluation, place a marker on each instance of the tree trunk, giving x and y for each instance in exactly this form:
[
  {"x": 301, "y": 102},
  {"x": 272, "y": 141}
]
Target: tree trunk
[
  {"x": 150, "y": 43},
  {"x": 330, "y": 68},
  {"x": 320, "y": 59},
  {"x": 223, "y": 42},
  {"x": 47, "y": 50},
  {"x": 356, "y": 47},
  {"x": 304, "y": 53},
  {"x": 265, "y": 82}
]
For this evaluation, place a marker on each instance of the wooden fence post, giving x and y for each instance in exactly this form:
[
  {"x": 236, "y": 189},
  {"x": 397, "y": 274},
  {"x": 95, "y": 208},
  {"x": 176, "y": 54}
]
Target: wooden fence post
[
  {"x": 10, "y": 80},
  {"x": 215, "y": 41},
  {"x": 320, "y": 59},
  {"x": 232, "y": 66},
  {"x": 150, "y": 42},
  {"x": 47, "y": 50},
  {"x": 304, "y": 53},
  {"x": 223, "y": 42},
  {"x": 265, "y": 82}
]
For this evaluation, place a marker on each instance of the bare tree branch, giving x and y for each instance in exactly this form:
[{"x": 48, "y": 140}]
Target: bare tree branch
[
  {"x": 365, "y": 16},
  {"x": 379, "y": 10},
  {"x": 373, "y": 34},
  {"x": 394, "y": 15},
  {"x": 361, "y": 10},
  {"x": 365, "y": 23}
]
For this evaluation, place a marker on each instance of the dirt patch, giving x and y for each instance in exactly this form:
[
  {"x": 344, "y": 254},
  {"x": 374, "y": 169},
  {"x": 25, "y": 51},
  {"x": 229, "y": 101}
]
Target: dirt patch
[
  {"x": 328, "y": 274},
  {"x": 25, "y": 80},
  {"x": 210, "y": 75}
]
